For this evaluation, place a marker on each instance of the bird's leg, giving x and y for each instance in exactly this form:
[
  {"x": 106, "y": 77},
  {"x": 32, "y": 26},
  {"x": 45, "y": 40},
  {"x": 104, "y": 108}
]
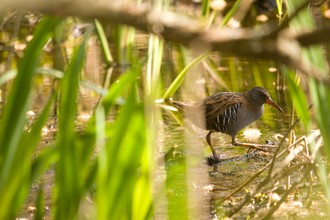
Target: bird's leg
[
  {"x": 208, "y": 139},
  {"x": 256, "y": 146}
]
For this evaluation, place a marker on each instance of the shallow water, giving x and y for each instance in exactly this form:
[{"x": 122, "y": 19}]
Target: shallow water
[
  {"x": 192, "y": 183},
  {"x": 207, "y": 185}
]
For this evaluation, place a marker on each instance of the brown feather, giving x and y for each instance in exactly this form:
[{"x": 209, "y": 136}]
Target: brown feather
[
  {"x": 227, "y": 112},
  {"x": 220, "y": 102},
  {"x": 208, "y": 109}
]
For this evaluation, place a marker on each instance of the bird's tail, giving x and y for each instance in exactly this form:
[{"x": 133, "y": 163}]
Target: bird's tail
[{"x": 183, "y": 106}]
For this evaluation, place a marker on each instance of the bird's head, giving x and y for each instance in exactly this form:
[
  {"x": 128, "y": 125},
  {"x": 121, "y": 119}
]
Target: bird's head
[{"x": 259, "y": 96}]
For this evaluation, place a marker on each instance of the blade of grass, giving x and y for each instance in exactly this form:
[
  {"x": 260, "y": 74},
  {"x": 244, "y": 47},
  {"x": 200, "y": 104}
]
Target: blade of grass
[
  {"x": 212, "y": 69},
  {"x": 233, "y": 74},
  {"x": 7, "y": 76},
  {"x": 121, "y": 85},
  {"x": 104, "y": 42},
  {"x": 231, "y": 13},
  {"x": 279, "y": 4},
  {"x": 319, "y": 92},
  {"x": 43, "y": 160},
  {"x": 39, "y": 215},
  {"x": 122, "y": 39},
  {"x": 13, "y": 117},
  {"x": 68, "y": 189},
  {"x": 117, "y": 165},
  {"x": 144, "y": 184},
  {"x": 137, "y": 193},
  {"x": 257, "y": 76},
  {"x": 13, "y": 165},
  {"x": 130, "y": 40},
  {"x": 297, "y": 94},
  {"x": 179, "y": 79},
  {"x": 206, "y": 8},
  {"x": 22, "y": 169}
]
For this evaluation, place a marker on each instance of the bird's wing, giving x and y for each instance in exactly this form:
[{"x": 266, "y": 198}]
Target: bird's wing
[
  {"x": 218, "y": 103},
  {"x": 206, "y": 111}
]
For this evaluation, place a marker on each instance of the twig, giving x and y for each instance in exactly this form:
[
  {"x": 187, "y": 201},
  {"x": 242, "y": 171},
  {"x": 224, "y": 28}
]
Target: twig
[
  {"x": 317, "y": 146},
  {"x": 8, "y": 19},
  {"x": 253, "y": 177},
  {"x": 293, "y": 153},
  {"x": 284, "y": 197},
  {"x": 12, "y": 44},
  {"x": 279, "y": 146},
  {"x": 307, "y": 184},
  {"x": 274, "y": 175},
  {"x": 291, "y": 169},
  {"x": 323, "y": 197},
  {"x": 301, "y": 139}
]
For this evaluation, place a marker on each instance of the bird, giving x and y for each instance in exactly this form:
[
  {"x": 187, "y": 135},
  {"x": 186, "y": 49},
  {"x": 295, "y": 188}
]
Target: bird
[{"x": 228, "y": 113}]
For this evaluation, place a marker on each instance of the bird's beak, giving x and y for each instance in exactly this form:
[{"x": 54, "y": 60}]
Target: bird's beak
[{"x": 271, "y": 102}]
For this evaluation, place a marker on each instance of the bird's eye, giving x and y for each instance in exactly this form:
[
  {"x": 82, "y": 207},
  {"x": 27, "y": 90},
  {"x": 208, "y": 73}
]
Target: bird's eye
[{"x": 262, "y": 95}]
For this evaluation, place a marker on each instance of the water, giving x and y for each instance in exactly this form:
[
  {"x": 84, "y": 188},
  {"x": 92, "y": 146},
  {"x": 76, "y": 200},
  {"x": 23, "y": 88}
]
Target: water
[
  {"x": 194, "y": 188},
  {"x": 213, "y": 183}
]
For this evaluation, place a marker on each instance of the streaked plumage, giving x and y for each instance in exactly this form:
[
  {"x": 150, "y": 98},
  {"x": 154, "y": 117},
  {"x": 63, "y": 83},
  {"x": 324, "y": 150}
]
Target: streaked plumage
[{"x": 227, "y": 112}]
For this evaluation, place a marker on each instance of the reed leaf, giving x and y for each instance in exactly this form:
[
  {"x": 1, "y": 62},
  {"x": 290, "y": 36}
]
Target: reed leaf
[
  {"x": 68, "y": 189},
  {"x": 118, "y": 162},
  {"x": 104, "y": 42},
  {"x": 14, "y": 168},
  {"x": 231, "y": 13},
  {"x": 298, "y": 95},
  {"x": 179, "y": 79},
  {"x": 206, "y": 8},
  {"x": 11, "y": 74},
  {"x": 320, "y": 93},
  {"x": 39, "y": 215}
]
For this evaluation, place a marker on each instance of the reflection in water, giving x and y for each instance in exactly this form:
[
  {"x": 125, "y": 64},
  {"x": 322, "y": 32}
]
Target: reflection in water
[
  {"x": 207, "y": 185},
  {"x": 222, "y": 180}
]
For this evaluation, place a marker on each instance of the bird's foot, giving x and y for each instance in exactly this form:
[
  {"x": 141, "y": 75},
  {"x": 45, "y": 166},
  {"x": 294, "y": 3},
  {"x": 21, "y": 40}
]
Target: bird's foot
[
  {"x": 214, "y": 160},
  {"x": 217, "y": 158}
]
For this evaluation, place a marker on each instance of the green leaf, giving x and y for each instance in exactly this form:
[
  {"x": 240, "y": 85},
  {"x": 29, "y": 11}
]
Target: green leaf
[
  {"x": 104, "y": 42},
  {"x": 69, "y": 188},
  {"x": 179, "y": 79},
  {"x": 298, "y": 95},
  {"x": 13, "y": 169},
  {"x": 39, "y": 215}
]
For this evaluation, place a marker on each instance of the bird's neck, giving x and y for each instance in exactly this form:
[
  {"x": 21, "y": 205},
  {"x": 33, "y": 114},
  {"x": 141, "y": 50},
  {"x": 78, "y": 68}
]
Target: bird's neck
[{"x": 259, "y": 106}]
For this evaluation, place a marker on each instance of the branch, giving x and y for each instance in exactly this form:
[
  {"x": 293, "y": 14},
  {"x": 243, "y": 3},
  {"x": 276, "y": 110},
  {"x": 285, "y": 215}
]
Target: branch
[
  {"x": 283, "y": 46},
  {"x": 171, "y": 26}
]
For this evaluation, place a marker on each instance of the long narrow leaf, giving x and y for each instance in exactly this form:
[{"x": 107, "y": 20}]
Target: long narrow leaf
[
  {"x": 103, "y": 40},
  {"x": 13, "y": 167},
  {"x": 179, "y": 79},
  {"x": 320, "y": 93},
  {"x": 39, "y": 215},
  {"x": 69, "y": 189}
]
